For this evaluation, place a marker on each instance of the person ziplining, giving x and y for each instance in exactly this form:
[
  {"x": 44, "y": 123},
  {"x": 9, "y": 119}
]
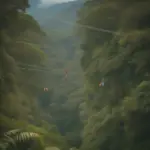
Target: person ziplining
[
  {"x": 66, "y": 73},
  {"x": 102, "y": 83},
  {"x": 45, "y": 89}
]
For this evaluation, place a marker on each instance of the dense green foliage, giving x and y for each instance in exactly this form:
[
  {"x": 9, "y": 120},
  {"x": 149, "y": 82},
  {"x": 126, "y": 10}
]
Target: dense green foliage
[
  {"x": 114, "y": 116},
  {"x": 20, "y": 40},
  {"x": 119, "y": 112}
]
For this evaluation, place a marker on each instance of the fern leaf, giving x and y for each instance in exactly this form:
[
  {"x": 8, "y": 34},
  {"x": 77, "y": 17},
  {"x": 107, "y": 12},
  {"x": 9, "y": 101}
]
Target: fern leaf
[
  {"x": 24, "y": 136},
  {"x": 12, "y": 137},
  {"x": 12, "y": 132}
]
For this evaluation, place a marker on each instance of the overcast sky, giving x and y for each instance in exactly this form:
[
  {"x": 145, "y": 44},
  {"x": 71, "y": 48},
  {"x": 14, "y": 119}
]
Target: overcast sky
[{"x": 51, "y": 2}]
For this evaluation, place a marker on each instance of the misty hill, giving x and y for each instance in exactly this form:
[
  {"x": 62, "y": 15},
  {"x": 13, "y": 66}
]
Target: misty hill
[{"x": 54, "y": 17}]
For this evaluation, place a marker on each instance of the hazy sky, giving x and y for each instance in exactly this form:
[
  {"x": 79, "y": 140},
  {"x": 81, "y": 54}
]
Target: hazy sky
[{"x": 51, "y": 2}]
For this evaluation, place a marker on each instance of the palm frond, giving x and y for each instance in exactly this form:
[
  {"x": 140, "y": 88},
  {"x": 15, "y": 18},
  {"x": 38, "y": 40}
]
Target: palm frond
[
  {"x": 13, "y": 137},
  {"x": 12, "y": 132}
]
